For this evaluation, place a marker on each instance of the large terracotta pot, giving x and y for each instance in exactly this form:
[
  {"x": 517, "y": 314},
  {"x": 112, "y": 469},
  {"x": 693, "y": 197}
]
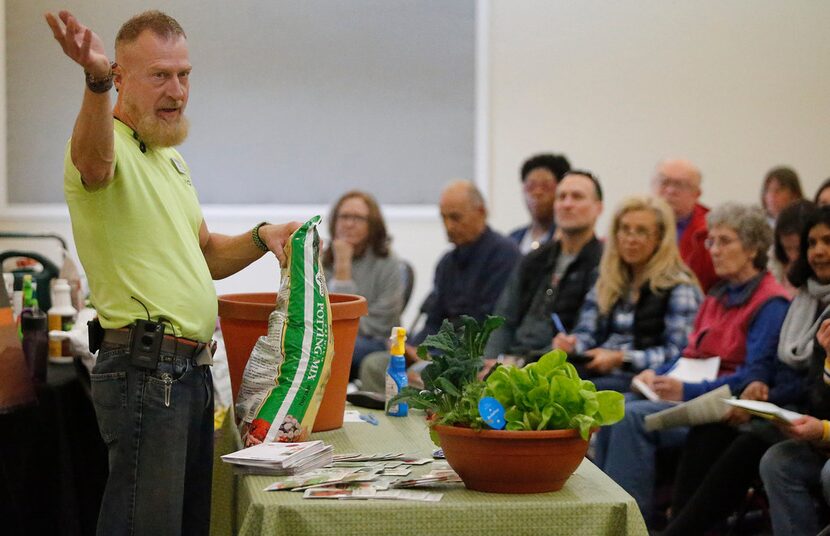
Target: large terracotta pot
[
  {"x": 244, "y": 318},
  {"x": 502, "y": 461}
]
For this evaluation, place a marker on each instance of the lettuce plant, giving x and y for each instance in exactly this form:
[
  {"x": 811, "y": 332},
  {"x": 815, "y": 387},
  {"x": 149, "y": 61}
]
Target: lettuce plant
[{"x": 549, "y": 395}]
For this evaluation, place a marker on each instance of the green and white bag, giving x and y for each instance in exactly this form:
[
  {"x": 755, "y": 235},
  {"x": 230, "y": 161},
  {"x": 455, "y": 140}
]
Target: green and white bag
[{"x": 286, "y": 375}]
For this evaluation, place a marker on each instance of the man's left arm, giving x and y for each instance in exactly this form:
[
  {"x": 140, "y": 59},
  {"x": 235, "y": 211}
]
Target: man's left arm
[{"x": 226, "y": 255}]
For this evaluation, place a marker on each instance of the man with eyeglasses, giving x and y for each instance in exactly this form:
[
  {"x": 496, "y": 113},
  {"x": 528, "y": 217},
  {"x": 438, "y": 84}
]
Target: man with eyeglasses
[{"x": 677, "y": 181}]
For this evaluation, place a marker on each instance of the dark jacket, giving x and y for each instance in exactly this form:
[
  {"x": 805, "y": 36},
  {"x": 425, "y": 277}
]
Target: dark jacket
[
  {"x": 529, "y": 299},
  {"x": 649, "y": 319}
]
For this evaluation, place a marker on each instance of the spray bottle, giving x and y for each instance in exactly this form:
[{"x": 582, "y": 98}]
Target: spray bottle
[{"x": 396, "y": 373}]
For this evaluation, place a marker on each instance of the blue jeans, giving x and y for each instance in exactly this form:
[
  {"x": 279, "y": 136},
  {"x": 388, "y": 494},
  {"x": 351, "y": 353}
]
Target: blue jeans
[
  {"x": 626, "y": 452},
  {"x": 364, "y": 346},
  {"x": 794, "y": 473},
  {"x": 160, "y": 444}
]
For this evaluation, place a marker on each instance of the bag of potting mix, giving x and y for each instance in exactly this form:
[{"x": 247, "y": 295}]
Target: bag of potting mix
[{"x": 285, "y": 377}]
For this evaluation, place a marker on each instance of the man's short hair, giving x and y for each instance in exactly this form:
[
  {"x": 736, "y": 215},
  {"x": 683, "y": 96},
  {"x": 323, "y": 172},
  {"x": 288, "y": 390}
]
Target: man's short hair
[
  {"x": 556, "y": 164},
  {"x": 159, "y": 23},
  {"x": 594, "y": 179}
]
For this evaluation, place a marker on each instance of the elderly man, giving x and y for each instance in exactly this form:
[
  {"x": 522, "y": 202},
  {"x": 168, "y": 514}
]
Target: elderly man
[
  {"x": 150, "y": 261},
  {"x": 540, "y": 174},
  {"x": 553, "y": 279},
  {"x": 678, "y": 182},
  {"x": 468, "y": 279}
]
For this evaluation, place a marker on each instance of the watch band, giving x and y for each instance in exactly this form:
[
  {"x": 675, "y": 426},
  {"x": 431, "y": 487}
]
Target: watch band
[
  {"x": 255, "y": 236},
  {"x": 99, "y": 85}
]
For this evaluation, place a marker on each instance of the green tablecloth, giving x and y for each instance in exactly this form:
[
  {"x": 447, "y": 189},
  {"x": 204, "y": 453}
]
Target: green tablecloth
[{"x": 590, "y": 503}]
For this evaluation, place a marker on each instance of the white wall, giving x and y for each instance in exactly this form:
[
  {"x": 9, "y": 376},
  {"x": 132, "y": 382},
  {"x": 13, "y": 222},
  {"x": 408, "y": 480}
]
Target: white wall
[{"x": 737, "y": 86}]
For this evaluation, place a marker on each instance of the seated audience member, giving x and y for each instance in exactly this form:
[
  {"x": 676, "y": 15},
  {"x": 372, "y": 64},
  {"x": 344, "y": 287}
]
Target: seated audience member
[
  {"x": 739, "y": 321},
  {"x": 823, "y": 194},
  {"x": 795, "y": 470},
  {"x": 359, "y": 261},
  {"x": 641, "y": 309},
  {"x": 677, "y": 181},
  {"x": 540, "y": 175},
  {"x": 781, "y": 189},
  {"x": 787, "y": 239},
  {"x": 720, "y": 461},
  {"x": 468, "y": 279},
  {"x": 553, "y": 279}
]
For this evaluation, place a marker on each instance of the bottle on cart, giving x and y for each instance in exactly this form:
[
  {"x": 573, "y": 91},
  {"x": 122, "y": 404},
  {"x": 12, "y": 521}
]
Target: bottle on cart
[
  {"x": 396, "y": 373},
  {"x": 35, "y": 341},
  {"x": 62, "y": 318}
]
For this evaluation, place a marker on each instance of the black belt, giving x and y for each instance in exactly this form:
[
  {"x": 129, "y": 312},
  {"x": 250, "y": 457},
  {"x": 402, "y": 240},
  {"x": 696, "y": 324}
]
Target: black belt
[{"x": 171, "y": 347}]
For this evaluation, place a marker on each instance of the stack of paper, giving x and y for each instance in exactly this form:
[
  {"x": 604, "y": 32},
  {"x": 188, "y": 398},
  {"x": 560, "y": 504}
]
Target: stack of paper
[
  {"x": 767, "y": 410},
  {"x": 704, "y": 409},
  {"x": 281, "y": 458},
  {"x": 686, "y": 370}
]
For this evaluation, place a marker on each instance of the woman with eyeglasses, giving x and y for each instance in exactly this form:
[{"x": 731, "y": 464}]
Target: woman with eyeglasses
[
  {"x": 739, "y": 321},
  {"x": 640, "y": 312},
  {"x": 359, "y": 261}
]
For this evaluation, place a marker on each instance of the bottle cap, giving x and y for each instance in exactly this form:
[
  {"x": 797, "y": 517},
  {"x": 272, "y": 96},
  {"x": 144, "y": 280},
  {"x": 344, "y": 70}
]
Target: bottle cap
[
  {"x": 33, "y": 321},
  {"x": 398, "y": 338}
]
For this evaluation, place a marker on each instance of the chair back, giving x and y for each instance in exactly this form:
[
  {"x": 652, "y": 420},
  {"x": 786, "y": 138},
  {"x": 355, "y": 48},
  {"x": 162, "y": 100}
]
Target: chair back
[{"x": 408, "y": 279}]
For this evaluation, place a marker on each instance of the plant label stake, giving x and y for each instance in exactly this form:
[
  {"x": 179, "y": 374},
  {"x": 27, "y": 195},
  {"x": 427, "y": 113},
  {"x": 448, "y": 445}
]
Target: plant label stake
[{"x": 492, "y": 412}]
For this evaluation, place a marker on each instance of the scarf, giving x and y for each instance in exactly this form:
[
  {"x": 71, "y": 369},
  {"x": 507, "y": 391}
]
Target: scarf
[{"x": 795, "y": 345}]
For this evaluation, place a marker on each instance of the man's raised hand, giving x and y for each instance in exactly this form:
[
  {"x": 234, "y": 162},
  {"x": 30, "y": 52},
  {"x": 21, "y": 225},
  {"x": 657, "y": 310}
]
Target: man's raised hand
[{"x": 79, "y": 43}]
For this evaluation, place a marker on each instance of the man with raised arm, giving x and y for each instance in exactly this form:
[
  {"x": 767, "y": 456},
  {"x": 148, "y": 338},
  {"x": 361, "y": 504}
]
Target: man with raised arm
[{"x": 150, "y": 261}]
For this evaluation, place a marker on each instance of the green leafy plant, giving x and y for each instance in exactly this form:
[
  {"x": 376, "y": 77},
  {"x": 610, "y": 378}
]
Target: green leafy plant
[
  {"x": 549, "y": 395},
  {"x": 545, "y": 395},
  {"x": 451, "y": 386}
]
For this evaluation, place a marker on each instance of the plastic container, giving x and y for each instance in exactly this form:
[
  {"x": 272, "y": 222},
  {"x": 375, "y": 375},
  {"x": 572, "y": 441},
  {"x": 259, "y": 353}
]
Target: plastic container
[
  {"x": 62, "y": 317},
  {"x": 396, "y": 374}
]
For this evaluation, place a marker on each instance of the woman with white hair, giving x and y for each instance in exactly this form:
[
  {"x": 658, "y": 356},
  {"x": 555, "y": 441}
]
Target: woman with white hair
[
  {"x": 739, "y": 321},
  {"x": 640, "y": 312}
]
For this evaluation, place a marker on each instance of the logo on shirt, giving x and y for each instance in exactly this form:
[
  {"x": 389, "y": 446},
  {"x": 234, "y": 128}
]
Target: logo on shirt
[{"x": 182, "y": 169}]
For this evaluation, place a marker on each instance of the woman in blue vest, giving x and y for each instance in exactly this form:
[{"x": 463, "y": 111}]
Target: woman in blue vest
[{"x": 640, "y": 312}]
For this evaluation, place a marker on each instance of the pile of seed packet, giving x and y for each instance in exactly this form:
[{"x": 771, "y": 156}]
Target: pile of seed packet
[{"x": 384, "y": 476}]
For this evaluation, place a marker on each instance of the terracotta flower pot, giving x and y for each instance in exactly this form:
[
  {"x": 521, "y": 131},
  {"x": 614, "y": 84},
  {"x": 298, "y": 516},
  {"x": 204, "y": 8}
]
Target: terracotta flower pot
[
  {"x": 244, "y": 318},
  {"x": 502, "y": 461}
]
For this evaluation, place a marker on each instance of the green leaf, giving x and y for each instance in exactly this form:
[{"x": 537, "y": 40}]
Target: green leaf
[
  {"x": 550, "y": 362},
  {"x": 611, "y": 407},
  {"x": 448, "y": 387}
]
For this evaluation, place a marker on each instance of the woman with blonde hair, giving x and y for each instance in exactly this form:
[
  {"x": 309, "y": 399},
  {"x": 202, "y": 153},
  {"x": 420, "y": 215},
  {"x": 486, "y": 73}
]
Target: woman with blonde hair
[{"x": 640, "y": 312}]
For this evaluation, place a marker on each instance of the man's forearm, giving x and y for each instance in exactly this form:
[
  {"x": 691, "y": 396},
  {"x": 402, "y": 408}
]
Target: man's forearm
[
  {"x": 92, "y": 149},
  {"x": 226, "y": 255}
]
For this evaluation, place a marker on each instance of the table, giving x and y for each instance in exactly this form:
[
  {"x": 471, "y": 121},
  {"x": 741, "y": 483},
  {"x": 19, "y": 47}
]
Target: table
[
  {"x": 589, "y": 504},
  {"x": 53, "y": 463}
]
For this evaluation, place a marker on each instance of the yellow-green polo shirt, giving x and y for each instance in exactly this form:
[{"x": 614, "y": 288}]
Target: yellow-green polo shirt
[{"x": 139, "y": 237}]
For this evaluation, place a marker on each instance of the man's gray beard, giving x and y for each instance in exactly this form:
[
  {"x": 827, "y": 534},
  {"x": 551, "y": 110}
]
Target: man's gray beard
[{"x": 157, "y": 132}]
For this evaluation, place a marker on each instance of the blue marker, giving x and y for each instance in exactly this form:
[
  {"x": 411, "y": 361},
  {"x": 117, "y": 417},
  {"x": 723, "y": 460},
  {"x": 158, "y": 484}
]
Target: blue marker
[
  {"x": 558, "y": 323},
  {"x": 368, "y": 417}
]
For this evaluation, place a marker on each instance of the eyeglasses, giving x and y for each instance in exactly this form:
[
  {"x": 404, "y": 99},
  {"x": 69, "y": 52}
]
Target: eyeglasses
[
  {"x": 640, "y": 233},
  {"x": 720, "y": 241},
  {"x": 677, "y": 184},
  {"x": 352, "y": 218}
]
